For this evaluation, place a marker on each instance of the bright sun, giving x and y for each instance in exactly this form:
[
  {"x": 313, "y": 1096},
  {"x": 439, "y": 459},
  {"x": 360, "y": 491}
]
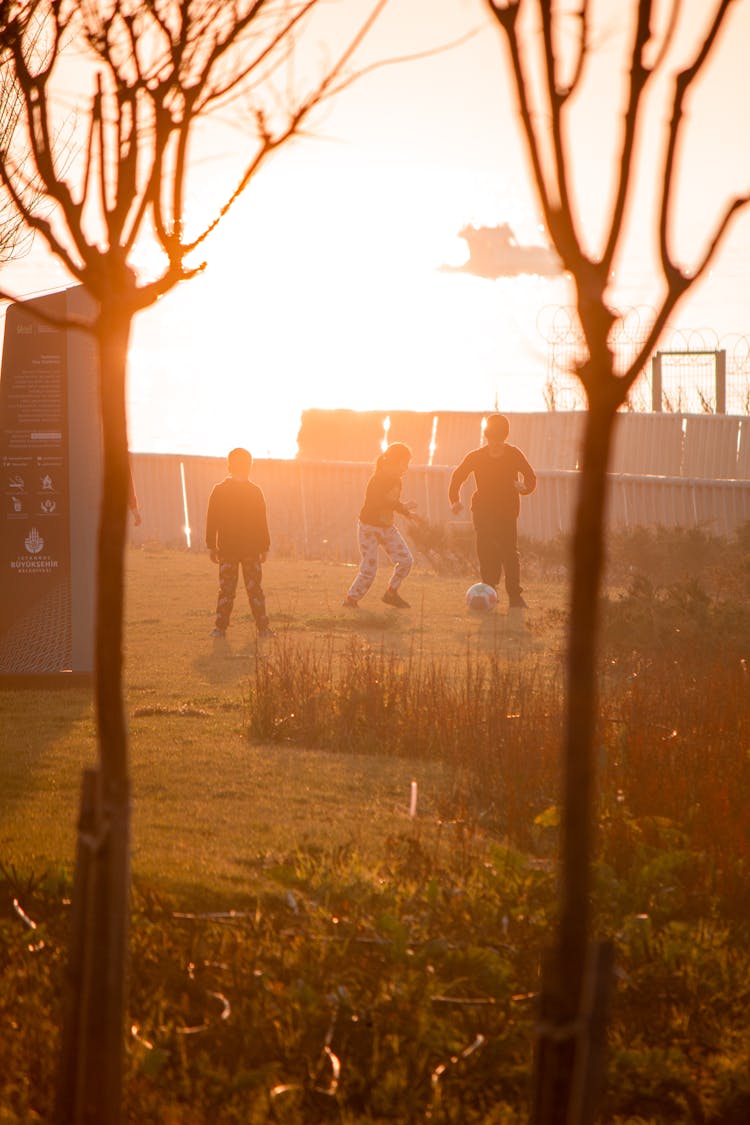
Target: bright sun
[{"x": 324, "y": 290}]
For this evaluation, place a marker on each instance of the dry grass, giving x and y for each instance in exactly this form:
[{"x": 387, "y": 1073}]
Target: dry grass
[
  {"x": 206, "y": 802},
  {"x": 409, "y": 948}
]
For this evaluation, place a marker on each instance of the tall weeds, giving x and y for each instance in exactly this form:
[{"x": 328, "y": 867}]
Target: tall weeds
[
  {"x": 491, "y": 722},
  {"x": 674, "y": 730}
]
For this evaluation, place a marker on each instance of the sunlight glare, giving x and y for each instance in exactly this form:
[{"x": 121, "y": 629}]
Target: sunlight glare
[
  {"x": 186, "y": 527},
  {"x": 386, "y": 428},
  {"x": 331, "y": 296},
  {"x": 433, "y": 440}
]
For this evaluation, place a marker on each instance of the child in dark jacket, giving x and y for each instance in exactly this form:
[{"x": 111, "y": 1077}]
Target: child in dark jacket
[
  {"x": 237, "y": 537},
  {"x": 376, "y": 527},
  {"x": 495, "y": 505}
]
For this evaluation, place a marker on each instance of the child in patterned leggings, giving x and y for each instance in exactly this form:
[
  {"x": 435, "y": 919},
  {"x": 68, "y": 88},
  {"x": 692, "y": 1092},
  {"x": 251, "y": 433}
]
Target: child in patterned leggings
[{"x": 376, "y": 527}]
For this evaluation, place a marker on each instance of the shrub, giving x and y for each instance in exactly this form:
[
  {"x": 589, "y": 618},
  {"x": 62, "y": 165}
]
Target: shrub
[{"x": 679, "y": 621}]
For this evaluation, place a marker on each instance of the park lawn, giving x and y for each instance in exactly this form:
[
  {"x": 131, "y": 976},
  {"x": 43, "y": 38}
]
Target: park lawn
[
  {"x": 292, "y": 882},
  {"x": 208, "y": 805}
]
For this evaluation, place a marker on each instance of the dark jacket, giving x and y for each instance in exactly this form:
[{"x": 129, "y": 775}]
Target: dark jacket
[
  {"x": 382, "y": 499},
  {"x": 236, "y": 522},
  {"x": 496, "y": 495}
]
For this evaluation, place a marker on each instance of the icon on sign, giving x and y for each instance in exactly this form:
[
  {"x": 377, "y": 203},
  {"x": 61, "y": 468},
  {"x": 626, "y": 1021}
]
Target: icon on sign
[
  {"x": 17, "y": 503},
  {"x": 48, "y": 505},
  {"x": 34, "y": 542},
  {"x": 47, "y": 485},
  {"x": 16, "y": 481}
]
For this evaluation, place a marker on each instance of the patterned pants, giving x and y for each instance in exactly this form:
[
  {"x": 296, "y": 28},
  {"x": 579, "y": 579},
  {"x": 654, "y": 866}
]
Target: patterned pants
[
  {"x": 251, "y": 576},
  {"x": 392, "y": 542}
]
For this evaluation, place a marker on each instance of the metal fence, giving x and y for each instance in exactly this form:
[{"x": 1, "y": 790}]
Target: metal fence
[{"x": 313, "y": 506}]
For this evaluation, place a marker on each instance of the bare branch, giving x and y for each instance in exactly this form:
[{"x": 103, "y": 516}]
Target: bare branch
[
  {"x": 269, "y": 141},
  {"x": 638, "y": 77},
  {"x": 280, "y": 37},
  {"x": 161, "y": 65},
  {"x": 13, "y": 233},
  {"x": 397, "y": 60},
  {"x": 674, "y": 16},
  {"x": 14, "y": 183},
  {"x": 683, "y": 83},
  {"x": 150, "y": 293},
  {"x": 558, "y": 220},
  {"x": 556, "y": 102},
  {"x": 33, "y": 90},
  {"x": 268, "y": 144},
  {"x": 677, "y": 288},
  {"x": 506, "y": 17},
  {"x": 584, "y": 17}
]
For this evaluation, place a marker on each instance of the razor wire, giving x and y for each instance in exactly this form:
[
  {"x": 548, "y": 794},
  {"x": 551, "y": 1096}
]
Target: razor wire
[{"x": 689, "y": 376}]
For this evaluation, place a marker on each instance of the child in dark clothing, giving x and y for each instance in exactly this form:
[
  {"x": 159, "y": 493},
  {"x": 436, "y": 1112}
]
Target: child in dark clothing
[
  {"x": 376, "y": 528},
  {"x": 495, "y": 504},
  {"x": 237, "y": 536}
]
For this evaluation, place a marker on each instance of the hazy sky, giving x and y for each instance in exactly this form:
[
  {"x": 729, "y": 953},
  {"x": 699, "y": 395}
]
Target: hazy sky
[{"x": 324, "y": 288}]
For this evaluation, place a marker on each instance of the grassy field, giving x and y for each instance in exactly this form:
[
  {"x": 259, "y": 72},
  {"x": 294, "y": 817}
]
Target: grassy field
[
  {"x": 205, "y": 800},
  {"x": 303, "y": 950}
]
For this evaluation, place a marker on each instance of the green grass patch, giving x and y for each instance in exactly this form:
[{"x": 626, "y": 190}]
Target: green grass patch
[{"x": 303, "y": 949}]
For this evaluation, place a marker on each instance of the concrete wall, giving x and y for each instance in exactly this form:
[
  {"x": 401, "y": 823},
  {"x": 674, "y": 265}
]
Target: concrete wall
[{"x": 715, "y": 446}]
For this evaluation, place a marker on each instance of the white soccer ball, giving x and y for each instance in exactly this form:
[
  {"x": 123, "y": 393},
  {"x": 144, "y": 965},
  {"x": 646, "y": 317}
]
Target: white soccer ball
[{"x": 481, "y": 598}]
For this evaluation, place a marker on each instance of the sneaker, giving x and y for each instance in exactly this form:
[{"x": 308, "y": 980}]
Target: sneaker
[
  {"x": 219, "y": 634},
  {"x": 350, "y": 603},
  {"x": 518, "y": 603},
  {"x": 266, "y": 631},
  {"x": 392, "y": 597}
]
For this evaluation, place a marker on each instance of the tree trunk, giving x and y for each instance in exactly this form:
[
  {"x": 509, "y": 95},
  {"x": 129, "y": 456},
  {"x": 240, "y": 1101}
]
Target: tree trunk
[
  {"x": 92, "y": 1057},
  {"x": 114, "y": 334},
  {"x": 564, "y": 973}
]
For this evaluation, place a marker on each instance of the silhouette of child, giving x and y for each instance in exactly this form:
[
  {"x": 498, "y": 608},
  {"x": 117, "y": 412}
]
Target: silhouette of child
[
  {"x": 237, "y": 536},
  {"x": 495, "y": 504},
  {"x": 376, "y": 528}
]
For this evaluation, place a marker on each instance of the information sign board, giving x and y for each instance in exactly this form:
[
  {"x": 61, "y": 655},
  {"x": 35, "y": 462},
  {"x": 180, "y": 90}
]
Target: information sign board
[{"x": 50, "y": 465}]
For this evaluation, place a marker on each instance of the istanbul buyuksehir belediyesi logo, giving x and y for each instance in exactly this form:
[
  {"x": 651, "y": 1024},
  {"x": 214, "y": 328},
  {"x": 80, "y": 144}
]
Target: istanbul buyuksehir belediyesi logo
[{"x": 33, "y": 542}]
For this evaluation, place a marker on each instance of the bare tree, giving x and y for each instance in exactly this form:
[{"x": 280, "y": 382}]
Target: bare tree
[
  {"x": 15, "y": 237},
  {"x": 155, "y": 70},
  {"x": 550, "y": 47}
]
